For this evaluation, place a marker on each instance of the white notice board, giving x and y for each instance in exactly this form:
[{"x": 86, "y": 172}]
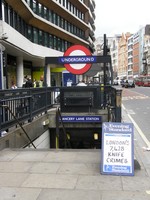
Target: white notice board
[{"x": 117, "y": 149}]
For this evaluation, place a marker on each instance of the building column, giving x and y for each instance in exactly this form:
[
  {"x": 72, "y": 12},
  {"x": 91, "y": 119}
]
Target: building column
[
  {"x": 20, "y": 73},
  {"x": 48, "y": 76}
]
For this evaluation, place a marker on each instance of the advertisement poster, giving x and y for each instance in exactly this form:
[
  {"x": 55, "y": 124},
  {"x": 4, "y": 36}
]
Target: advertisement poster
[
  {"x": 68, "y": 79},
  {"x": 117, "y": 149}
]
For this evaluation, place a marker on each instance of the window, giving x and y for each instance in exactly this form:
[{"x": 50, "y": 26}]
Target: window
[
  {"x": 6, "y": 12},
  {"x": 51, "y": 44},
  {"x": 40, "y": 37},
  {"x": 55, "y": 42},
  {"x": 62, "y": 23},
  {"x": 67, "y": 4},
  {"x": 75, "y": 30},
  {"x": 29, "y": 34},
  {"x": 65, "y": 25},
  {"x": 50, "y": 17},
  {"x": 45, "y": 13},
  {"x": 66, "y": 45},
  {"x": 59, "y": 44},
  {"x": 35, "y": 35},
  {"x": 45, "y": 42},
  {"x": 40, "y": 9},
  {"x": 34, "y": 6},
  {"x": 69, "y": 27},
  {"x": 58, "y": 21},
  {"x": 54, "y": 18},
  {"x": 71, "y": 8},
  {"x": 62, "y": 45},
  {"x": 11, "y": 17},
  {"x": 16, "y": 21}
]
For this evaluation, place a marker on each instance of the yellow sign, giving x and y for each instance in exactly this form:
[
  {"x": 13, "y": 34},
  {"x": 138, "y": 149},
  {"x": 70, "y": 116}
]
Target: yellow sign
[{"x": 57, "y": 69}]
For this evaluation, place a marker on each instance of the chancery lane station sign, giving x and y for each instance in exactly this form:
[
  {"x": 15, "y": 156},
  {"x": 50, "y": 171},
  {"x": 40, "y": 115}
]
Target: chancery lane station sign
[{"x": 117, "y": 149}]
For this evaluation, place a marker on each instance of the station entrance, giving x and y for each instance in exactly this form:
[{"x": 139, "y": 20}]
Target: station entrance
[
  {"x": 82, "y": 110},
  {"x": 77, "y": 138}
]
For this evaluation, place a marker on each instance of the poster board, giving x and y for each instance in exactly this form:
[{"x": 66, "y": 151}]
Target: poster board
[
  {"x": 117, "y": 149},
  {"x": 68, "y": 79}
]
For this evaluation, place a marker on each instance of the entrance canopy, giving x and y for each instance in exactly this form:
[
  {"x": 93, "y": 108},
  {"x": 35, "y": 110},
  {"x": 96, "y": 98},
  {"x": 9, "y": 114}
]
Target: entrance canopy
[{"x": 102, "y": 63}]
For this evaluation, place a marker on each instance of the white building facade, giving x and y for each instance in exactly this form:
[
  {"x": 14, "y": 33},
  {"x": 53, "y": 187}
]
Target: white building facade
[{"x": 31, "y": 30}]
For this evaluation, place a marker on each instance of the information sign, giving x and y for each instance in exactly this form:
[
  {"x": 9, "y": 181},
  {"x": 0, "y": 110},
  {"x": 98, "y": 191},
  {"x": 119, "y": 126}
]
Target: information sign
[
  {"x": 85, "y": 119},
  {"x": 117, "y": 149},
  {"x": 77, "y": 59}
]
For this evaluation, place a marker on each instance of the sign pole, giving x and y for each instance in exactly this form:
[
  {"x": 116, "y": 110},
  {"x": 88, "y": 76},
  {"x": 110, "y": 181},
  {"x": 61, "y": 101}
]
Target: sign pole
[{"x": 2, "y": 48}]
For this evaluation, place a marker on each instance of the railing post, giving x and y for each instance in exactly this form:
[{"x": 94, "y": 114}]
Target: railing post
[
  {"x": 30, "y": 105},
  {"x": 57, "y": 129},
  {"x": 118, "y": 105}
]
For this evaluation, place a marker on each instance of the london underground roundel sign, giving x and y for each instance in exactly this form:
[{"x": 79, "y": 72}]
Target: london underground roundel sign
[{"x": 78, "y": 59}]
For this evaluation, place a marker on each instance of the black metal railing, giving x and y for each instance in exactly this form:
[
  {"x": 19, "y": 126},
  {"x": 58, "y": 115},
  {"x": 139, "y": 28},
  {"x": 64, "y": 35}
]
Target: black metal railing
[{"x": 26, "y": 103}]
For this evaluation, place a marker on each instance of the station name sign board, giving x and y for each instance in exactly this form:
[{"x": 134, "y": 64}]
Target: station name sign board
[
  {"x": 77, "y": 59},
  {"x": 117, "y": 149},
  {"x": 86, "y": 119}
]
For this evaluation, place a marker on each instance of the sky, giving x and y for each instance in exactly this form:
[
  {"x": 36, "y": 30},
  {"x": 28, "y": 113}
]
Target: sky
[{"x": 118, "y": 16}]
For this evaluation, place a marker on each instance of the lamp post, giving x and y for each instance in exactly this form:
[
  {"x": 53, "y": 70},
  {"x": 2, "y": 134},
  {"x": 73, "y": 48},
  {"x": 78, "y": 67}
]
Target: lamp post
[{"x": 2, "y": 48}]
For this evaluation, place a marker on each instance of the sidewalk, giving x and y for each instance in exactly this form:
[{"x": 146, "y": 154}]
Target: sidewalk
[{"x": 70, "y": 175}]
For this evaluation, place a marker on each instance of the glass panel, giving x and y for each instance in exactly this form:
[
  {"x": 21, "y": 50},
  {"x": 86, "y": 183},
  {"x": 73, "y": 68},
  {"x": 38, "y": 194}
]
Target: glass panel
[
  {"x": 51, "y": 44},
  {"x": 29, "y": 33},
  {"x": 45, "y": 13},
  {"x": 46, "y": 39},
  {"x": 55, "y": 42},
  {"x": 40, "y": 37},
  {"x": 34, "y": 6},
  {"x": 35, "y": 35},
  {"x": 63, "y": 46},
  {"x": 59, "y": 44},
  {"x": 40, "y": 9},
  {"x": 11, "y": 17}
]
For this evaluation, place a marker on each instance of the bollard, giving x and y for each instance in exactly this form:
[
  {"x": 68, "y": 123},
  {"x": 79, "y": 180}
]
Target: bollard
[{"x": 118, "y": 105}]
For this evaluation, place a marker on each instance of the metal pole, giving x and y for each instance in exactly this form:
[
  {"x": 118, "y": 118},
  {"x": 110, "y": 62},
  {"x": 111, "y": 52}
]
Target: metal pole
[
  {"x": 118, "y": 105},
  {"x": 2, "y": 48},
  {"x": 105, "y": 54}
]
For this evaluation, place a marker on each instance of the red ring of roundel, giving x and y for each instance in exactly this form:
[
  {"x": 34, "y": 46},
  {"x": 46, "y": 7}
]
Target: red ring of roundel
[{"x": 86, "y": 67}]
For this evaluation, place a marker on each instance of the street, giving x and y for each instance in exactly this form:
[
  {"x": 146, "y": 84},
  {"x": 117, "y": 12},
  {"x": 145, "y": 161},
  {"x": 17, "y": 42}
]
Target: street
[{"x": 136, "y": 102}]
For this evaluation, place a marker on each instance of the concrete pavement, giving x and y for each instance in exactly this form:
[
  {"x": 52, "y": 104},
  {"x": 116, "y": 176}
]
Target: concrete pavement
[{"x": 30, "y": 174}]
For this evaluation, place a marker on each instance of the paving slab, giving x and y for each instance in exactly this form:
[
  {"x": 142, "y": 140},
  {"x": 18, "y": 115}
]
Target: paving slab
[
  {"x": 125, "y": 195},
  {"x": 7, "y": 193},
  {"x": 50, "y": 181},
  {"x": 12, "y": 179},
  {"x": 51, "y": 194},
  {"x": 101, "y": 182}
]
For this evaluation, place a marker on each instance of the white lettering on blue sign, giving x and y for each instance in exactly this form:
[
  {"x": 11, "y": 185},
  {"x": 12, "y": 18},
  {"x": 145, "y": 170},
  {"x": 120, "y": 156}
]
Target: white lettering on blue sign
[
  {"x": 81, "y": 119},
  {"x": 77, "y": 59},
  {"x": 110, "y": 127}
]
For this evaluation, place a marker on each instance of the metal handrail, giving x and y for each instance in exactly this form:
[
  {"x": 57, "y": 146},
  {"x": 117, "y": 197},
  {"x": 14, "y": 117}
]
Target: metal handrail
[
  {"x": 59, "y": 116},
  {"x": 7, "y": 107}
]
